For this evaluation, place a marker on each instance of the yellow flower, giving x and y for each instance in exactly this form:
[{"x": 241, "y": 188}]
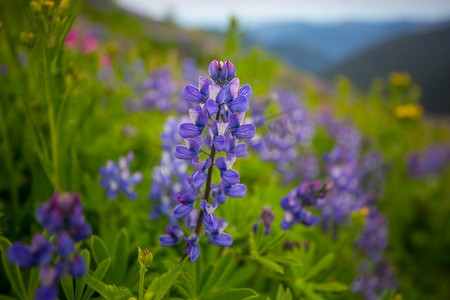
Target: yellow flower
[
  {"x": 408, "y": 111},
  {"x": 400, "y": 79}
]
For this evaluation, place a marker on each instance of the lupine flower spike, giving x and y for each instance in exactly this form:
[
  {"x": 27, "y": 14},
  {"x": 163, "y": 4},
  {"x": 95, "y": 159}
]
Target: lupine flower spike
[
  {"x": 62, "y": 218},
  {"x": 212, "y": 141},
  {"x": 116, "y": 177}
]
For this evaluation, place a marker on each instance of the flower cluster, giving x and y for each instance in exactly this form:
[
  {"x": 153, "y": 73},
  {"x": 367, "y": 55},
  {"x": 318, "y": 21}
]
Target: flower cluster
[
  {"x": 157, "y": 92},
  {"x": 62, "y": 218},
  {"x": 284, "y": 137},
  {"x": 170, "y": 176},
  {"x": 358, "y": 184},
  {"x": 266, "y": 218},
  {"x": 217, "y": 126},
  {"x": 82, "y": 40},
  {"x": 306, "y": 194},
  {"x": 430, "y": 162},
  {"x": 374, "y": 238},
  {"x": 116, "y": 177},
  {"x": 373, "y": 280}
]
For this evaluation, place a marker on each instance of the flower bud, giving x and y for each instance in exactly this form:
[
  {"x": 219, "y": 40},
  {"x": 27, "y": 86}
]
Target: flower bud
[
  {"x": 35, "y": 6},
  {"x": 222, "y": 72},
  {"x": 27, "y": 38},
  {"x": 48, "y": 4},
  {"x": 145, "y": 258}
]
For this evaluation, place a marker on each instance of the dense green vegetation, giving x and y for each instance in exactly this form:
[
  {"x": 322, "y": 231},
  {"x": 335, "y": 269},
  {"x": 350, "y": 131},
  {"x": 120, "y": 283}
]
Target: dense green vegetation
[{"x": 68, "y": 75}]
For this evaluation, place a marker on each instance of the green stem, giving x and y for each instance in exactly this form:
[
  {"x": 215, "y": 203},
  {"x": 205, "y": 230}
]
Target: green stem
[
  {"x": 51, "y": 116},
  {"x": 141, "y": 282},
  {"x": 9, "y": 161}
]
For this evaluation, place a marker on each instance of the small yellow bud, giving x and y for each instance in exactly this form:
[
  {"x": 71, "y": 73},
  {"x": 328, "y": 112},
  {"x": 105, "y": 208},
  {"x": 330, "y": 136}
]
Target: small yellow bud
[
  {"x": 48, "y": 4},
  {"x": 400, "y": 79},
  {"x": 408, "y": 111},
  {"x": 27, "y": 38},
  {"x": 35, "y": 6},
  {"x": 145, "y": 257}
]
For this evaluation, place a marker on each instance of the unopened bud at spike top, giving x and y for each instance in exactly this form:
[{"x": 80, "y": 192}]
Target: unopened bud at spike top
[{"x": 222, "y": 72}]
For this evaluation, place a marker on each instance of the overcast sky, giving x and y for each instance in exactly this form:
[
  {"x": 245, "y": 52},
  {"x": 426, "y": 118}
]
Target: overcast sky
[{"x": 200, "y": 13}]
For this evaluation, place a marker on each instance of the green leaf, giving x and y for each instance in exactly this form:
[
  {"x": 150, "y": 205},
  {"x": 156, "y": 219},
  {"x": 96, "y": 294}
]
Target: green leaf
[
  {"x": 110, "y": 292},
  {"x": 120, "y": 255},
  {"x": 330, "y": 287},
  {"x": 12, "y": 271},
  {"x": 162, "y": 284},
  {"x": 283, "y": 294},
  {"x": 284, "y": 259},
  {"x": 5, "y": 297},
  {"x": 235, "y": 294},
  {"x": 80, "y": 283},
  {"x": 67, "y": 285},
  {"x": 273, "y": 242},
  {"x": 217, "y": 272},
  {"x": 98, "y": 249},
  {"x": 271, "y": 265},
  {"x": 99, "y": 273},
  {"x": 33, "y": 280},
  {"x": 320, "y": 266}
]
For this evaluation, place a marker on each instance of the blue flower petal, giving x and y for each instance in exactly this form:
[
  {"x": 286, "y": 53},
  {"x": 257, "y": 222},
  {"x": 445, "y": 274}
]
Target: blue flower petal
[
  {"x": 192, "y": 94},
  {"x": 246, "y": 131},
  {"x": 240, "y": 104},
  {"x": 182, "y": 152},
  {"x": 230, "y": 176},
  {"x": 223, "y": 239},
  {"x": 180, "y": 211},
  {"x": 20, "y": 254},
  {"x": 189, "y": 130}
]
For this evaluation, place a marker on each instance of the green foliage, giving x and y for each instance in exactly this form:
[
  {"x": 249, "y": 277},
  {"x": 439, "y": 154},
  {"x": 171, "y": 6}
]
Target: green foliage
[
  {"x": 62, "y": 117},
  {"x": 161, "y": 285}
]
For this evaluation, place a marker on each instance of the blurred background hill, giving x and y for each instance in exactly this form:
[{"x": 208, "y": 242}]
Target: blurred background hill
[{"x": 362, "y": 42}]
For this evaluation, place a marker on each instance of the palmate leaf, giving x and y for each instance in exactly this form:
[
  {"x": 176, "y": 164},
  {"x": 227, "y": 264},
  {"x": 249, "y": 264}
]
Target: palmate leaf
[
  {"x": 333, "y": 286},
  {"x": 324, "y": 263},
  {"x": 67, "y": 285},
  {"x": 235, "y": 294},
  {"x": 120, "y": 256},
  {"x": 162, "y": 284},
  {"x": 99, "y": 273},
  {"x": 110, "y": 292},
  {"x": 283, "y": 294},
  {"x": 269, "y": 264},
  {"x": 99, "y": 250}
]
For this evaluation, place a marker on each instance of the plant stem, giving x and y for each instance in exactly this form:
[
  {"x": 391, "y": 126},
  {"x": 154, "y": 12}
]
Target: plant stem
[
  {"x": 141, "y": 282},
  {"x": 208, "y": 183},
  {"x": 51, "y": 116}
]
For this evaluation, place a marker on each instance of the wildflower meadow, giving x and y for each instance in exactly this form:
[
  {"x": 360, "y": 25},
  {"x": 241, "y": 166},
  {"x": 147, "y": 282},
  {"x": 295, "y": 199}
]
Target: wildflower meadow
[{"x": 145, "y": 161}]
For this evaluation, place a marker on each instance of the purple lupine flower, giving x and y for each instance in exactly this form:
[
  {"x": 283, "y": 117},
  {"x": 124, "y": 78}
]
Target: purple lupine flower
[
  {"x": 358, "y": 182},
  {"x": 266, "y": 218},
  {"x": 373, "y": 241},
  {"x": 62, "y": 217},
  {"x": 39, "y": 253},
  {"x": 221, "y": 72},
  {"x": 214, "y": 228},
  {"x": 306, "y": 194},
  {"x": 283, "y": 138},
  {"x": 428, "y": 163},
  {"x": 158, "y": 92},
  {"x": 173, "y": 236},
  {"x": 192, "y": 248},
  {"x": 374, "y": 279},
  {"x": 116, "y": 177},
  {"x": 214, "y": 139},
  {"x": 170, "y": 176}
]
